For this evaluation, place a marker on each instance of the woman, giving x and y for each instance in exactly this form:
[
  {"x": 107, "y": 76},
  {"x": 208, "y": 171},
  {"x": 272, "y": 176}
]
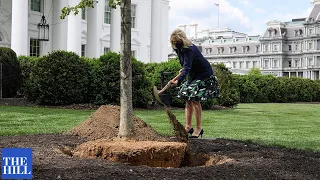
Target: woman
[{"x": 201, "y": 83}]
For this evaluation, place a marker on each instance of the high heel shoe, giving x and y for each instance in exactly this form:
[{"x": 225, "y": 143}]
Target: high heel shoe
[
  {"x": 200, "y": 134},
  {"x": 190, "y": 131}
]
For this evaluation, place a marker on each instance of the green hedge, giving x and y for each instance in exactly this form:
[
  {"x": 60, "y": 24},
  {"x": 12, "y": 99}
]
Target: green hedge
[
  {"x": 106, "y": 81},
  {"x": 11, "y": 72},
  {"x": 257, "y": 88},
  {"x": 27, "y": 64},
  {"x": 59, "y": 78}
]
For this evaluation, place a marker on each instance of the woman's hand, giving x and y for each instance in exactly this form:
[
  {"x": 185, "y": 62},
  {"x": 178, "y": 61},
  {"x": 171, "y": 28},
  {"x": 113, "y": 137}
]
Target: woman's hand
[{"x": 173, "y": 83}]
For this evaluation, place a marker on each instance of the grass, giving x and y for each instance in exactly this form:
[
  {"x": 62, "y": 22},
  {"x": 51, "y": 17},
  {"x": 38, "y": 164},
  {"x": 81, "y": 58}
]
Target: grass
[
  {"x": 285, "y": 125},
  {"x": 15, "y": 120}
]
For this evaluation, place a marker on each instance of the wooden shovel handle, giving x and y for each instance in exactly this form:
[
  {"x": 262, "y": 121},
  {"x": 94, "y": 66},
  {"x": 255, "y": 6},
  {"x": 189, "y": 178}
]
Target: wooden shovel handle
[{"x": 168, "y": 85}]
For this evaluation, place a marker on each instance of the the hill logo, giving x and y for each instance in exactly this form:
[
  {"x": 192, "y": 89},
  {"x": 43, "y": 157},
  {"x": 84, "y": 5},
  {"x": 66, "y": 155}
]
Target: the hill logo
[{"x": 16, "y": 163}]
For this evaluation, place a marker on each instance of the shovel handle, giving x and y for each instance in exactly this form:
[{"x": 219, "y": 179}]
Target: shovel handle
[{"x": 169, "y": 84}]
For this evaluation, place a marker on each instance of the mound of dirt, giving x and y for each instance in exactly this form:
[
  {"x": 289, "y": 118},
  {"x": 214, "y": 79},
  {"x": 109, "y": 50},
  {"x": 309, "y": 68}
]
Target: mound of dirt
[{"x": 104, "y": 124}]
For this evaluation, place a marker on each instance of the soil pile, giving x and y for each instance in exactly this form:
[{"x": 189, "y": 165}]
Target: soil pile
[{"x": 104, "y": 123}]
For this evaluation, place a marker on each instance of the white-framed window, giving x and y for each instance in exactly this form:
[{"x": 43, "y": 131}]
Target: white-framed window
[
  {"x": 248, "y": 64},
  {"x": 290, "y": 47},
  {"x": 266, "y": 47},
  {"x": 266, "y": 63},
  {"x": 35, "y": 5},
  {"x": 133, "y": 15},
  {"x": 297, "y": 47},
  {"x": 234, "y": 64},
  {"x": 290, "y": 63},
  {"x": 107, "y": 13},
  {"x": 34, "y": 47},
  {"x": 275, "y": 63},
  {"x": 254, "y": 64},
  {"x": 106, "y": 50},
  {"x": 297, "y": 63},
  {"x": 83, "y": 50},
  {"x": 310, "y": 45},
  {"x": 241, "y": 64},
  {"x": 257, "y": 48},
  {"x": 311, "y": 31},
  {"x": 310, "y": 61},
  {"x": 275, "y": 47},
  {"x": 208, "y": 50},
  {"x": 133, "y": 53}
]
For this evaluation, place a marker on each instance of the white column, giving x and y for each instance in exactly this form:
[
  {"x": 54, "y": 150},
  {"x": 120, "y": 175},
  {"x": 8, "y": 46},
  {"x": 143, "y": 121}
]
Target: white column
[
  {"x": 165, "y": 24},
  {"x": 60, "y": 29},
  {"x": 156, "y": 34},
  {"x": 74, "y": 30},
  {"x": 94, "y": 27},
  {"x": 115, "y": 31},
  {"x": 19, "y": 28}
]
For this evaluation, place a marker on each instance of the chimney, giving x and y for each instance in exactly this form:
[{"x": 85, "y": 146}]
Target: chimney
[{"x": 193, "y": 31}]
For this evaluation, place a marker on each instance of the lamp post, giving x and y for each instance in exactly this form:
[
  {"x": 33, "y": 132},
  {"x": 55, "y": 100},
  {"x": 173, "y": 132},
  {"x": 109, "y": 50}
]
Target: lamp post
[{"x": 43, "y": 29}]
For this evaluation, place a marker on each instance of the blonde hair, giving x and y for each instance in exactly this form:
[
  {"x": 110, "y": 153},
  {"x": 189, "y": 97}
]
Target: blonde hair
[{"x": 178, "y": 34}]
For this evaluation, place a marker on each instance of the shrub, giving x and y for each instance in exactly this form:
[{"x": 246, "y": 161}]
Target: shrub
[
  {"x": 11, "y": 72},
  {"x": 27, "y": 64},
  {"x": 59, "y": 78},
  {"x": 106, "y": 81}
]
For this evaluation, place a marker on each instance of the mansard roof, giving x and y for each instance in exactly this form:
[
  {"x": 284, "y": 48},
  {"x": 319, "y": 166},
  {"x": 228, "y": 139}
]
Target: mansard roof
[{"x": 315, "y": 13}]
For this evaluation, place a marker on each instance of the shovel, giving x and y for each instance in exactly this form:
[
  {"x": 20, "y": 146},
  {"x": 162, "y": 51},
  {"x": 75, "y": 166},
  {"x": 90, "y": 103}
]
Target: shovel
[{"x": 156, "y": 93}]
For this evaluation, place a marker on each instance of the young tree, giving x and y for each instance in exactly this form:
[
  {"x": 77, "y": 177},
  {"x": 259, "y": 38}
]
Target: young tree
[{"x": 126, "y": 121}]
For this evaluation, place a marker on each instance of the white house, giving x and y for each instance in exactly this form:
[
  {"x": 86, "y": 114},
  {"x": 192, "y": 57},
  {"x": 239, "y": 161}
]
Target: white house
[{"x": 91, "y": 33}]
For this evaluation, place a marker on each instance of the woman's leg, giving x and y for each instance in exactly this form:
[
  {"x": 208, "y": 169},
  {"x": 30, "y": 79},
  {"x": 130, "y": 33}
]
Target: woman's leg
[
  {"x": 188, "y": 111},
  {"x": 198, "y": 113}
]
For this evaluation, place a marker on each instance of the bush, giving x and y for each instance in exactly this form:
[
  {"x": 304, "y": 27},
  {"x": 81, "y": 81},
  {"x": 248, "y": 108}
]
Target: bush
[
  {"x": 106, "y": 81},
  {"x": 59, "y": 78},
  {"x": 11, "y": 72},
  {"x": 27, "y": 65}
]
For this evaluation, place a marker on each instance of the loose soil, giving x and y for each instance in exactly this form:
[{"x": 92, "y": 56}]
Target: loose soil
[{"x": 53, "y": 155}]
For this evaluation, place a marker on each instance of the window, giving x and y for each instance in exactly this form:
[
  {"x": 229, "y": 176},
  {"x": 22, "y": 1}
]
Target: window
[
  {"x": 275, "y": 63},
  {"x": 297, "y": 47},
  {"x": 34, "y": 47},
  {"x": 106, "y": 50},
  {"x": 83, "y": 14},
  {"x": 310, "y": 45},
  {"x": 276, "y": 47},
  {"x": 257, "y": 48},
  {"x": 266, "y": 63},
  {"x": 133, "y": 15},
  {"x": 83, "y": 50},
  {"x": 241, "y": 64},
  {"x": 254, "y": 64},
  {"x": 234, "y": 65},
  {"x": 133, "y": 53},
  {"x": 208, "y": 50},
  {"x": 290, "y": 48},
  {"x": 311, "y": 31},
  {"x": 310, "y": 61},
  {"x": 36, "y": 5},
  {"x": 247, "y": 64},
  {"x": 266, "y": 47},
  {"x": 289, "y": 63},
  {"x": 107, "y": 13},
  {"x": 297, "y": 63}
]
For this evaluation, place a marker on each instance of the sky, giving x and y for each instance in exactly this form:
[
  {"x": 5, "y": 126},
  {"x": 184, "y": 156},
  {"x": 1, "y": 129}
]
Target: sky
[{"x": 246, "y": 16}]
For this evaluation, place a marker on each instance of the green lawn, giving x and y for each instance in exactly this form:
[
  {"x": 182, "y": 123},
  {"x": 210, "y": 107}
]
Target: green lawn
[
  {"x": 16, "y": 120},
  {"x": 288, "y": 125}
]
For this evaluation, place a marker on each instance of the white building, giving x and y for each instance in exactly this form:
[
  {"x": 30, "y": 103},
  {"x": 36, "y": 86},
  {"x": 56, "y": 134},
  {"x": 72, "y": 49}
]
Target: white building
[
  {"x": 285, "y": 49},
  {"x": 91, "y": 33}
]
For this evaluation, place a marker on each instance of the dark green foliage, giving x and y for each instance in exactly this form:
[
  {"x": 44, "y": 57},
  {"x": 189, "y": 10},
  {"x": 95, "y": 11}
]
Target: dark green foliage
[
  {"x": 256, "y": 88},
  {"x": 106, "y": 81},
  {"x": 11, "y": 72},
  {"x": 229, "y": 95},
  {"x": 60, "y": 78},
  {"x": 27, "y": 64}
]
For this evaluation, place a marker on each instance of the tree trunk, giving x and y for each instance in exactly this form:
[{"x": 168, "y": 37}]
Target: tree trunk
[{"x": 126, "y": 122}]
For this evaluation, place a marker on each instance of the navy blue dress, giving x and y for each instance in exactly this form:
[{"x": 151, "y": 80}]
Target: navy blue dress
[{"x": 201, "y": 84}]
